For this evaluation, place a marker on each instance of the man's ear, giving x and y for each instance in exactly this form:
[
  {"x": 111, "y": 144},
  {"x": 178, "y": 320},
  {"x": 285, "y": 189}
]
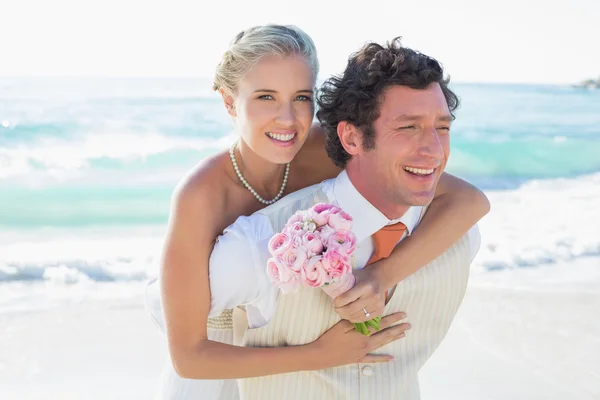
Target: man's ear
[
  {"x": 228, "y": 101},
  {"x": 350, "y": 136}
]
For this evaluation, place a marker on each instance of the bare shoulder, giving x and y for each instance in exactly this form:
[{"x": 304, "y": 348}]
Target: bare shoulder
[{"x": 203, "y": 189}]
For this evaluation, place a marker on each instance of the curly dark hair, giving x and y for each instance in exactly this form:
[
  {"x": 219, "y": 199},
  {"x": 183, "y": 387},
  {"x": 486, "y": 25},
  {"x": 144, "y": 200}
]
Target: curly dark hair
[{"x": 355, "y": 95}]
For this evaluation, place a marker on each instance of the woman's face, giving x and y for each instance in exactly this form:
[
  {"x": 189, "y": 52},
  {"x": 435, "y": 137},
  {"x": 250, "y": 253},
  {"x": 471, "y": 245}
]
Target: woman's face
[{"x": 273, "y": 108}]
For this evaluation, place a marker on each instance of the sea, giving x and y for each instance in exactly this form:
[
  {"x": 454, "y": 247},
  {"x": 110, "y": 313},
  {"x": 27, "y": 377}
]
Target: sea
[{"x": 88, "y": 166}]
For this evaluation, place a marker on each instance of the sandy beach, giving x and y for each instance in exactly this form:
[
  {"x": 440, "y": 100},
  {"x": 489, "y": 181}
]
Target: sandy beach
[{"x": 510, "y": 339}]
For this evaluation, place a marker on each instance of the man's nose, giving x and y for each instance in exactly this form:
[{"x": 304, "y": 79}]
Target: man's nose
[{"x": 431, "y": 146}]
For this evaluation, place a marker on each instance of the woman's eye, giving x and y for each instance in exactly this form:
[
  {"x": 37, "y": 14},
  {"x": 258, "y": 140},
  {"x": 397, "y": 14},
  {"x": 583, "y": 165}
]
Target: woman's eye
[
  {"x": 265, "y": 97},
  {"x": 304, "y": 98}
]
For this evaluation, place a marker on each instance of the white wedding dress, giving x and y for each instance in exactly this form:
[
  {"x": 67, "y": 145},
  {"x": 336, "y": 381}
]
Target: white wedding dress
[{"x": 174, "y": 387}]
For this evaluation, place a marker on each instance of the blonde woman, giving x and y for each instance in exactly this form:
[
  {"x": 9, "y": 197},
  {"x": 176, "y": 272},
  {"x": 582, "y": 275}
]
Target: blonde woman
[{"x": 267, "y": 82}]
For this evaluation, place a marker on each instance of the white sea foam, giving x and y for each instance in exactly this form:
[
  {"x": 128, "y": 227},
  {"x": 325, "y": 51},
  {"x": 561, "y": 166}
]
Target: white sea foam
[
  {"x": 68, "y": 159},
  {"x": 541, "y": 223}
]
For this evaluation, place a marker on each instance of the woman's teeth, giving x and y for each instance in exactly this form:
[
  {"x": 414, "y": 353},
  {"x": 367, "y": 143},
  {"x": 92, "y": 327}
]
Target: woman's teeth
[
  {"x": 419, "y": 171},
  {"x": 282, "y": 137}
]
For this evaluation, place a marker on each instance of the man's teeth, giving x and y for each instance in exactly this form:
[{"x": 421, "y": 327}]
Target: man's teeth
[
  {"x": 283, "y": 137},
  {"x": 419, "y": 171}
]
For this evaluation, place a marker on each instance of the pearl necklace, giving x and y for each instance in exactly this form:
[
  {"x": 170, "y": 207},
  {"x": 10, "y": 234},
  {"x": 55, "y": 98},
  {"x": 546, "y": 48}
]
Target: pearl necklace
[{"x": 250, "y": 188}]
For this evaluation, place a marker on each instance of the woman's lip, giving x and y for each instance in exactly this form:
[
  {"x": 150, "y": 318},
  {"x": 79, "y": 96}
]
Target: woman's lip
[{"x": 281, "y": 143}]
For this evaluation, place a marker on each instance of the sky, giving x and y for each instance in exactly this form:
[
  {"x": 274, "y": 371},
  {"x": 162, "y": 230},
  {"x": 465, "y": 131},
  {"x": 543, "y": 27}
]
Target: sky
[{"x": 520, "y": 41}]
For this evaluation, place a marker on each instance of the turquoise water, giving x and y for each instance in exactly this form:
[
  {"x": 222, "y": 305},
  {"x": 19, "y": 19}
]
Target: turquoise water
[{"x": 92, "y": 152}]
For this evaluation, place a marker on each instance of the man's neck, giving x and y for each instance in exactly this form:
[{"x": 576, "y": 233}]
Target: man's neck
[{"x": 375, "y": 196}]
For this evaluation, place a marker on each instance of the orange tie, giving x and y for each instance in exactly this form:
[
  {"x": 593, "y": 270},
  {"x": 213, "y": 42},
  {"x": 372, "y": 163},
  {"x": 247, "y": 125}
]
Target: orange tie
[{"x": 385, "y": 240}]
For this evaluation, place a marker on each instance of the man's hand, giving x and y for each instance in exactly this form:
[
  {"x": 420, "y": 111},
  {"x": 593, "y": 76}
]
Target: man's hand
[{"x": 367, "y": 293}]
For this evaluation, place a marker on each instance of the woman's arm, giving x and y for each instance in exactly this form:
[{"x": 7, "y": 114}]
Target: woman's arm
[
  {"x": 194, "y": 224},
  {"x": 456, "y": 208}
]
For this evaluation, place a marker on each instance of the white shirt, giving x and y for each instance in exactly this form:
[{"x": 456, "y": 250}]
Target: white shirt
[{"x": 238, "y": 262}]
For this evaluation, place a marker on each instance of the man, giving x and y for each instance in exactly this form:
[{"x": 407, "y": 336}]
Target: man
[{"x": 387, "y": 121}]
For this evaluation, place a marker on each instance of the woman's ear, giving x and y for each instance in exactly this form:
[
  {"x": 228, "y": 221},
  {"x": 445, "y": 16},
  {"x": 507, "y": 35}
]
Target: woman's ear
[{"x": 228, "y": 100}]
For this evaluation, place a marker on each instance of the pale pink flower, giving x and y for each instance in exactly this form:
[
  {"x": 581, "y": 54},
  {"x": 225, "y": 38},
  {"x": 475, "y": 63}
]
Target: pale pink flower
[
  {"x": 345, "y": 240},
  {"x": 340, "y": 221},
  {"x": 325, "y": 232},
  {"x": 312, "y": 241},
  {"x": 320, "y": 213},
  {"x": 281, "y": 275},
  {"x": 314, "y": 273},
  {"x": 297, "y": 241},
  {"x": 337, "y": 262},
  {"x": 295, "y": 258},
  {"x": 295, "y": 229},
  {"x": 279, "y": 243},
  {"x": 297, "y": 217},
  {"x": 322, "y": 207}
]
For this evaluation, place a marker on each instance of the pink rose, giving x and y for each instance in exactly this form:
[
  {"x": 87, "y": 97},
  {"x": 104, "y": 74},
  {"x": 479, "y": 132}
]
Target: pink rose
[
  {"x": 340, "y": 221},
  {"x": 295, "y": 258},
  {"x": 279, "y": 243},
  {"x": 320, "y": 213},
  {"x": 295, "y": 229},
  {"x": 322, "y": 207},
  {"x": 312, "y": 241},
  {"x": 337, "y": 262},
  {"x": 314, "y": 273},
  {"x": 325, "y": 232},
  {"x": 297, "y": 217},
  {"x": 297, "y": 242},
  {"x": 281, "y": 275},
  {"x": 344, "y": 240}
]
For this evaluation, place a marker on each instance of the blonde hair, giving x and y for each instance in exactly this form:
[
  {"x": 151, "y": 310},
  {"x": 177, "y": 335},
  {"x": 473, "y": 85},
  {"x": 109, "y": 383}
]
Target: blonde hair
[{"x": 251, "y": 45}]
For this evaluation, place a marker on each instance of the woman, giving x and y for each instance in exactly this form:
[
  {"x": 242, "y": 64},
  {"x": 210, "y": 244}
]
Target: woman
[{"x": 266, "y": 80}]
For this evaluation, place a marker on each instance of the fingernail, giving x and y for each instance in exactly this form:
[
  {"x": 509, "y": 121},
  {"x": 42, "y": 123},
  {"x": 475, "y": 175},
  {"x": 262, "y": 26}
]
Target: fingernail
[
  {"x": 401, "y": 335},
  {"x": 409, "y": 327}
]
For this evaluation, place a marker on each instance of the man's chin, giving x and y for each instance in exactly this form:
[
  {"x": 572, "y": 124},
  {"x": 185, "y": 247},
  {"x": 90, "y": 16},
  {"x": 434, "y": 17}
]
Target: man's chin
[{"x": 421, "y": 199}]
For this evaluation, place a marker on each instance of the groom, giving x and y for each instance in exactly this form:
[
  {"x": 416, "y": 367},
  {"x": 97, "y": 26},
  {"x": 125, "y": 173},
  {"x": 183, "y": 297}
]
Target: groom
[{"x": 387, "y": 121}]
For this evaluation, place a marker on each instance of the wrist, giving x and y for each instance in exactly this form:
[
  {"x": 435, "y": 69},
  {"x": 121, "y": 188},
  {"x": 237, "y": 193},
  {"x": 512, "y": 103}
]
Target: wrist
[
  {"x": 313, "y": 356},
  {"x": 384, "y": 273},
  {"x": 317, "y": 356}
]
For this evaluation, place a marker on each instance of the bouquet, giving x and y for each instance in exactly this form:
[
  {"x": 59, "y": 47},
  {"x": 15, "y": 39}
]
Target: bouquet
[{"x": 315, "y": 249}]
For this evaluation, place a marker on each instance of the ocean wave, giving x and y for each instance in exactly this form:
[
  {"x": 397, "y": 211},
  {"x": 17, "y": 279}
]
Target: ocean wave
[
  {"x": 74, "y": 260},
  {"x": 61, "y": 160},
  {"x": 542, "y": 222}
]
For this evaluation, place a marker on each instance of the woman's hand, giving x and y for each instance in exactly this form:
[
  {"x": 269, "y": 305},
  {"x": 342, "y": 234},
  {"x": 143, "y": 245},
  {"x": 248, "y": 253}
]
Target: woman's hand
[
  {"x": 342, "y": 344},
  {"x": 367, "y": 294}
]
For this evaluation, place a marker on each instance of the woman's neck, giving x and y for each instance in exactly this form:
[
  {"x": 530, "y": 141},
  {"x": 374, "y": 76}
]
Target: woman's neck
[{"x": 263, "y": 175}]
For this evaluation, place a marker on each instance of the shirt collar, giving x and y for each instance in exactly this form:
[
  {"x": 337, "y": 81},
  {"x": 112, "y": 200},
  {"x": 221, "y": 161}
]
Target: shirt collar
[{"x": 366, "y": 218}]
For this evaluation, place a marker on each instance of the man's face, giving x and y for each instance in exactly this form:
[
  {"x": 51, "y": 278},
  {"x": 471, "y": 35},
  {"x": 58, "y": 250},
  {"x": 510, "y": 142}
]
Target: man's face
[{"x": 412, "y": 145}]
